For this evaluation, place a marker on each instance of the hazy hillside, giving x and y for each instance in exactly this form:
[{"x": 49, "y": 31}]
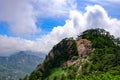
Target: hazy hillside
[
  {"x": 18, "y": 65},
  {"x": 94, "y": 55}
]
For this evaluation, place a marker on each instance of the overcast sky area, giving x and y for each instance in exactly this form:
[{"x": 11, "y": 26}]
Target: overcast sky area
[{"x": 37, "y": 25}]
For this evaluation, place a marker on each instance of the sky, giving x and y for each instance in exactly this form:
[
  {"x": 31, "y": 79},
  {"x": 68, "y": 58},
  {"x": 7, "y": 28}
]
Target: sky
[{"x": 38, "y": 25}]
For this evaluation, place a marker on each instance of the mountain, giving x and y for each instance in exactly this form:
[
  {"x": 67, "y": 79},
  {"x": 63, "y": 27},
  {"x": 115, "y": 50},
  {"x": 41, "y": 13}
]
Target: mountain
[
  {"x": 18, "y": 65},
  {"x": 39, "y": 54},
  {"x": 93, "y": 55}
]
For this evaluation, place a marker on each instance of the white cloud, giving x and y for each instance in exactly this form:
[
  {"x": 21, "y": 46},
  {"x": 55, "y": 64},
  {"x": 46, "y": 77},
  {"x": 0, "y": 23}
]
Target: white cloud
[
  {"x": 56, "y": 8},
  {"x": 97, "y": 17},
  {"x": 11, "y": 44},
  {"x": 94, "y": 17},
  {"x": 21, "y": 15}
]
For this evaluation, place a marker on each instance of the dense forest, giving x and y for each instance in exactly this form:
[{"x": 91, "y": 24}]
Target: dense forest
[{"x": 99, "y": 58}]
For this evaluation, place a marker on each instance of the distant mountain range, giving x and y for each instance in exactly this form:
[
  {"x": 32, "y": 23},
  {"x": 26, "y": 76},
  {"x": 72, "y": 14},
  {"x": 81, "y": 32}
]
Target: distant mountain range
[
  {"x": 42, "y": 55},
  {"x": 19, "y": 64}
]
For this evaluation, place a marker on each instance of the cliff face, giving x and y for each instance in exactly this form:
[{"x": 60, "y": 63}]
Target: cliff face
[{"x": 84, "y": 46}]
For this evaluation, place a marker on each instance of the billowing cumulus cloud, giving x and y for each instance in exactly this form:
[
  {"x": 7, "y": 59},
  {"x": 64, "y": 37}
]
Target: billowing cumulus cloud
[
  {"x": 94, "y": 17},
  {"x": 97, "y": 17},
  {"x": 21, "y": 15}
]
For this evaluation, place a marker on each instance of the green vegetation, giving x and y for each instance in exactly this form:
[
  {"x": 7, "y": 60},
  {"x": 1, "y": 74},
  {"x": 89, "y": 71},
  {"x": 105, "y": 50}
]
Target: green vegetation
[
  {"x": 106, "y": 57},
  {"x": 103, "y": 62},
  {"x": 106, "y": 54},
  {"x": 61, "y": 55}
]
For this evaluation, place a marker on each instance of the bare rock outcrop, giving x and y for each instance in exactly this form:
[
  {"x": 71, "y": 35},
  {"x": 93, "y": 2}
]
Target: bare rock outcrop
[{"x": 84, "y": 46}]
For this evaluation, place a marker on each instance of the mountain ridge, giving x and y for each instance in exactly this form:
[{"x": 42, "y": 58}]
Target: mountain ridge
[{"x": 95, "y": 54}]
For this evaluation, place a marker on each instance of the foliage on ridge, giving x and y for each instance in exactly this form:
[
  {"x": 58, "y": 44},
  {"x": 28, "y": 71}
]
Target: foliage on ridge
[{"x": 103, "y": 62}]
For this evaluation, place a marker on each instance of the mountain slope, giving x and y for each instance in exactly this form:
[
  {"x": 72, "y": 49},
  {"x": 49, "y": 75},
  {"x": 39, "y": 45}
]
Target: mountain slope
[
  {"x": 94, "y": 55},
  {"x": 17, "y": 65}
]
